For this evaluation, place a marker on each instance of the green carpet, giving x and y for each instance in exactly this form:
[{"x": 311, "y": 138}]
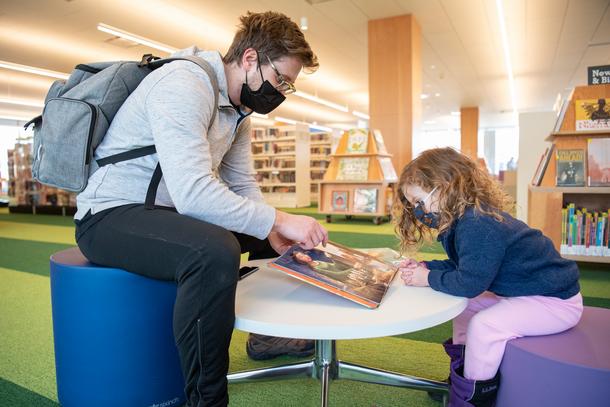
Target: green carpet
[{"x": 27, "y": 373}]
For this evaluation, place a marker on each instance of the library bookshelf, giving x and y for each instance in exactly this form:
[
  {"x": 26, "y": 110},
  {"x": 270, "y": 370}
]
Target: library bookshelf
[
  {"x": 546, "y": 201},
  {"x": 280, "y": 156}
]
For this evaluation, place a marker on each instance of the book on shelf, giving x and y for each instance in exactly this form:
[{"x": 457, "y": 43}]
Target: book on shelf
[
  {"x": 352, "y": 274},
  {"x": 570, "y": 168},
  {"x": 353, "y": 169},
  {"x": 325, "y": 137},
  {"x": 536, "y": 176},
  {"x": 379, "y": 140},
  {"x": 357, "y": 141},
  {"x": 365, "y": 200},
  {"x": 592, "y": 114},
  {"x": 562, "y": 112},
  {"x": 584, "y": 232},
  {"x": 598, "y": 162},
  {"x": 543, "y": 165},
  {"x": 389, "y": 174}
]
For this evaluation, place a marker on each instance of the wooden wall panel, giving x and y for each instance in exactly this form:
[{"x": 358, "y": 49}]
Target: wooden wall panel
[
  {"x": 469, "y": 119},
  {"x": 395, "y": 82}
]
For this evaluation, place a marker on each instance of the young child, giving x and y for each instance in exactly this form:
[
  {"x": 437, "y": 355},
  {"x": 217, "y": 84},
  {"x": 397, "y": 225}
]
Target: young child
[{"x": 517, "y": 283}]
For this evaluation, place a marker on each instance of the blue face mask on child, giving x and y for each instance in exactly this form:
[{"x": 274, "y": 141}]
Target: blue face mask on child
[{"x": 430, "y": 219}]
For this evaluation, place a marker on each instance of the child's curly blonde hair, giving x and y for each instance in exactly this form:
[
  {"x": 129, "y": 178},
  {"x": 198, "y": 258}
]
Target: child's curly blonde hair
[{"x": 460, "y": 183}]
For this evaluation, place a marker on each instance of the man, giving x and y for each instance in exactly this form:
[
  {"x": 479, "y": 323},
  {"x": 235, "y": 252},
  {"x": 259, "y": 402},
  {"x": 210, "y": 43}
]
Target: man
[{"x": 208, "y": 207}]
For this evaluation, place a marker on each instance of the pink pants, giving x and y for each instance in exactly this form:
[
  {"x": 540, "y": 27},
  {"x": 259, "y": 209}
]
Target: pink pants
[{"x": 489, "y": 321}]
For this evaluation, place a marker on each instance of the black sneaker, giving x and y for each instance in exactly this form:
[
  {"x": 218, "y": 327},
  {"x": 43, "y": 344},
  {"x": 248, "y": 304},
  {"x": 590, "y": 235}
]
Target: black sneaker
[{"x": 263, "y": 347}]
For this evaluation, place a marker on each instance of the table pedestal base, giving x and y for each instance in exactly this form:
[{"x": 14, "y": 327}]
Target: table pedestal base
[{"x": 326, "y": 367}]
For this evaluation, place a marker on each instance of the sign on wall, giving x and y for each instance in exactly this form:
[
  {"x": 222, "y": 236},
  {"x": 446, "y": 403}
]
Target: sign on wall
[{"x": 599, "y": 75}]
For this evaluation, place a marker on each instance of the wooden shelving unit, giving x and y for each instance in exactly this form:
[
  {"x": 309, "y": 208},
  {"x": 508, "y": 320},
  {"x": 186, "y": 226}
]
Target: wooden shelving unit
[
  {"x": 546, "y": 201},
  {"x": 320, "y": 146},
  {"x": 26, "y": 195},
  {"x": 358, "y": 181},
  {"x": 280, "y": 157}
]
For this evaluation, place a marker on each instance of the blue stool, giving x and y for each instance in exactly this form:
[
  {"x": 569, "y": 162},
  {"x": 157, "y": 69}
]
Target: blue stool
[{"x": 114, "y": 344}]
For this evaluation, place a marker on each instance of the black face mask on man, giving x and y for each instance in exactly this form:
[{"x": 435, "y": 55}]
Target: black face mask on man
[{"x": 263, "y": 100}]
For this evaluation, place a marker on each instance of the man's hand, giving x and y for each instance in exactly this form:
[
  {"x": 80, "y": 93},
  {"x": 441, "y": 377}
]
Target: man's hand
[
  {"x": 304, "y": 230},
  {"x": 279, "y": 243}
]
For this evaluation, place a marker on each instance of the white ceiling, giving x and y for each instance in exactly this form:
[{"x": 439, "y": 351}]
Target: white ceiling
[{"x": 551, "y": 44}]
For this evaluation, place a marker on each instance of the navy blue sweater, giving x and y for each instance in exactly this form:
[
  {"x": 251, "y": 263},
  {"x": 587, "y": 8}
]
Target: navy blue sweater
[{"x": 507, "y": 258}]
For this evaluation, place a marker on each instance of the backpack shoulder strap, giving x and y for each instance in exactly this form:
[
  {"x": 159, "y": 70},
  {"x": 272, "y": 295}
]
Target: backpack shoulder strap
[{"x": 203, "y": 64}]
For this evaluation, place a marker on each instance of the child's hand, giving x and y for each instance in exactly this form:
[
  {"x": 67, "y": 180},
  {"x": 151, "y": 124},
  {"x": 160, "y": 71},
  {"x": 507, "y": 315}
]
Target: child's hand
[
  {"x": 415, "y": 276},
  {"x": 408, "y": 263}
]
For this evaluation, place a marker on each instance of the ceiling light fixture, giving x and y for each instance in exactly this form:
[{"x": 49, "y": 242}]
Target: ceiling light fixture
[
  {"x": 21, "y": 102},
  {"x": 318, "y": 127},
  {"x": 312, "y": 98},
  {"x": 361, "y": 115},
  {"x": 284, "y": 120},
  {"x": 507, "y": 60},
  {"x": 34, "y": 70},
  {"x": 424, "y": 96},
  {"x": 260, "y": 116},
  {"x": 135, "y": 38}
]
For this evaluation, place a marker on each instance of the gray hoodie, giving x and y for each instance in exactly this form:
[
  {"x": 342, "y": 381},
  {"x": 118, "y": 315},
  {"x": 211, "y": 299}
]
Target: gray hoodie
[{"x": 206, "y": 174}]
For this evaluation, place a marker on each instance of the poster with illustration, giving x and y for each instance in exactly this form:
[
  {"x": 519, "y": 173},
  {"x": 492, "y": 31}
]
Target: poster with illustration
[
  {"x": 357, "y": 141},
  {"x": 592, "y": 114},
  {"x": 339, "y": 201},
  {"x": 365, "y": 200}
]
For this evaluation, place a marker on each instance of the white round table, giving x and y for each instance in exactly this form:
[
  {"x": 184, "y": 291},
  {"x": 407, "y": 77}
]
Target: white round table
[{"x": 270, "y": 302}]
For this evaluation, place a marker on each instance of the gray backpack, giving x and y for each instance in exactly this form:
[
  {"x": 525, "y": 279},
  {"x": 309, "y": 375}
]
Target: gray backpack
[{"x": 77, "y": 114}]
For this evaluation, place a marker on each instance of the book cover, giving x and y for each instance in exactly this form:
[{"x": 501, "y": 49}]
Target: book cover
[
  {"x": 345, "y": 272},
  {"x": 353, "y": 169},
  {"x": 545, "y": 163},
  {"x": 379, "y": 140},
  {"x": 570, "y": 168},
  {"x": 592, "y": 114},
  {"x": 562, "y": 112},
  {"x": 339, "y": 201},
  {"x": 536, "y": 176},
  {"x": 365, "y": 200},
  {"x": 357, "y": 141},
  {"x": 387, "y": 168},
  {"x": 598, "y": 168}
]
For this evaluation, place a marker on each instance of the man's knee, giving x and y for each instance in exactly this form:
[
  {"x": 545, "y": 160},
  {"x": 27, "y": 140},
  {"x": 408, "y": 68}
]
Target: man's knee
[{"x": 217, "y": 257}]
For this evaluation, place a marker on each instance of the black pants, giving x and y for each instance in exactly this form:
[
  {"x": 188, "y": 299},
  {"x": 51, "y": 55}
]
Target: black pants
[{"x": 203, "y": 259}]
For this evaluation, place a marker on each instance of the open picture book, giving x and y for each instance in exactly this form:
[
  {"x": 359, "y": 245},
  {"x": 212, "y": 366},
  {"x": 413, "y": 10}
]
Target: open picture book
[{"x": 360, "y": 276}]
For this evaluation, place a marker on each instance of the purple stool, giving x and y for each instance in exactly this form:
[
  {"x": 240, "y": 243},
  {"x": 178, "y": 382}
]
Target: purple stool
[{"x": 568, "y": 369}]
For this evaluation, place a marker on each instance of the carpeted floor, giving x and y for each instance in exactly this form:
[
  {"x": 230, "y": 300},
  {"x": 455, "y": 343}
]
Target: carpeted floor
[{"x": 27, "y": 374}]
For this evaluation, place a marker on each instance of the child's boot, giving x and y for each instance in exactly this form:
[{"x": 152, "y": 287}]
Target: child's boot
[
  {"x": 455, "y": 352},
  {"x": 471, "y": 393}
]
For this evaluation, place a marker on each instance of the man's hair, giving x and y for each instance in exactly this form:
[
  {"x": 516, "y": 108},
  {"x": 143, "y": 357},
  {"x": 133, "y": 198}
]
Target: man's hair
[{"x": 274, "y": 35}]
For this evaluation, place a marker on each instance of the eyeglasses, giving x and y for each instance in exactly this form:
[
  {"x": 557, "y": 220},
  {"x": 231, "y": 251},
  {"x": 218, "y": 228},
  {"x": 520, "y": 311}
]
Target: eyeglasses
[{"x": 286, "y": 87}]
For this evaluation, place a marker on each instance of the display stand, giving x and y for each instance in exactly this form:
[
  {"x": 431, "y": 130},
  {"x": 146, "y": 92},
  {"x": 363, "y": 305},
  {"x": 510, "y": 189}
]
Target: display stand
[
  {"x": 359, "y": 178},
  {"x": 546, "y": 201}
]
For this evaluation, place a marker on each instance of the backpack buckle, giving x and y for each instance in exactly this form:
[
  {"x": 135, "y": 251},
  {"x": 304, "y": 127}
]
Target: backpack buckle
[
  {"x": 35, "y": 121},
  {"x": 147, "y": 59}
]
